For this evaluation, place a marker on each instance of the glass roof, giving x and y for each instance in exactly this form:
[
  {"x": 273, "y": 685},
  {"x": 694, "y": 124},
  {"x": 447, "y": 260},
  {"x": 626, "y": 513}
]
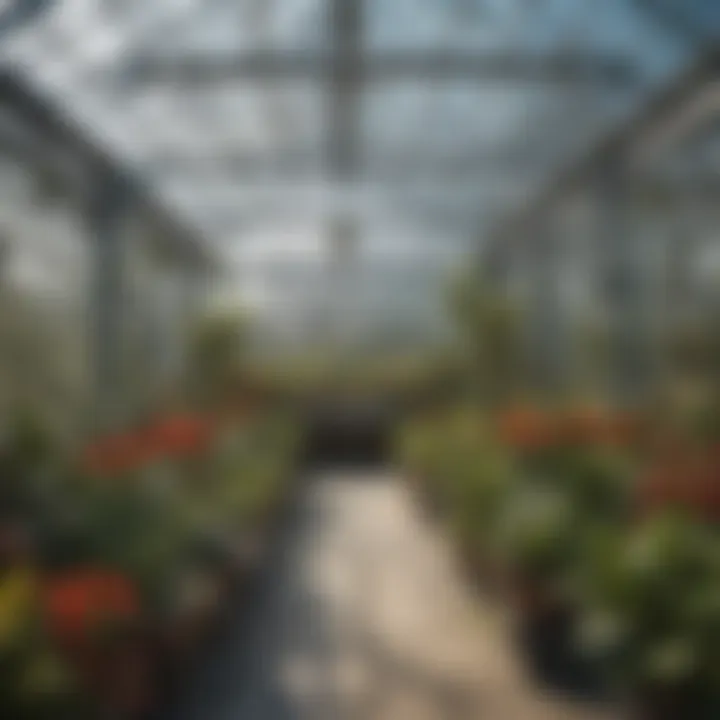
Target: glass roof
[{"x": 242, "y": 154}]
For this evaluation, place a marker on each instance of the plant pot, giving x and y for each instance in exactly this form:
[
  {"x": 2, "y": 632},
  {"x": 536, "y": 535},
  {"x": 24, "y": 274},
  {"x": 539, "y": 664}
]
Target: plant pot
[
  {"x": 189, "y": 631},
  {"x": 546, "y": 634}
]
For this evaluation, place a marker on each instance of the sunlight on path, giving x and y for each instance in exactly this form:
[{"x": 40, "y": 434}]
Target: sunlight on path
[{"x": 366, "y": 618}]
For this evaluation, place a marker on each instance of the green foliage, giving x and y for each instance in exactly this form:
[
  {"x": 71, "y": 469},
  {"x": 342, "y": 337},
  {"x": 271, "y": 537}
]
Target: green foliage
[
  {"x": 645, "y": 592},
  {"x": 461, "y": 470},
  {"x": 651, "y": 601},
  {"x": 488, "y": 330},
  {"x": 217, "y": 354}
]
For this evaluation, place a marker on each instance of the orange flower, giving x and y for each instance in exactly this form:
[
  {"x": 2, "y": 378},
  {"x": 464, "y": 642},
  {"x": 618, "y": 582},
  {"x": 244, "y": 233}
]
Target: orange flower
[
  {"x": 182, "y": 435},
  {"x": 530, "y": 430},
  {"x": 82, "y": 601},
  {"x": 527, "y": 429}
]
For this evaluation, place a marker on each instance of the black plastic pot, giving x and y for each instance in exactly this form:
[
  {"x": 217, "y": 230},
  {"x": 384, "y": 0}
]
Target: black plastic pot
[
  {"x": 546, "y": 635},
  {"x": 688, "y": 703}
]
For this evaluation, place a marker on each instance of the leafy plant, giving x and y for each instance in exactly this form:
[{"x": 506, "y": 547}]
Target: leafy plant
[{"x": 651, "y": 605}]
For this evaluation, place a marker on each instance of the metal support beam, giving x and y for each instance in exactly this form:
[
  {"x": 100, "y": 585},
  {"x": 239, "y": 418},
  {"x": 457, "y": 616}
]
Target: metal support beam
[
  {"x": 680, "y": 21},
  {"x": 346, "y": 77},
  {"x": 620, "y": 143},
  {"x": 388, "y": 167},
  {"x": 106, "y": 300},
  {"x": 174, "y": 325},
  {"x": 683, "y": 301},
  {"x": 431, "y": 65},
  {"x": 16, "y": 14},
  {"x": 543, "y": 254},
  {"x": 622, "y": 286},
  {"x": 496, "y": 264}
]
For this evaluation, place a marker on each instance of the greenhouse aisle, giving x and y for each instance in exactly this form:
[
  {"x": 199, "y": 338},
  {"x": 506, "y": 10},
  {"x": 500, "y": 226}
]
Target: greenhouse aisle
[{"x": 364, "y": 616}]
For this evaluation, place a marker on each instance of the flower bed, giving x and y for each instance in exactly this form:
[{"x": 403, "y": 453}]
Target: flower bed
[
  {"x": 603, "y": 536},
  {"x": 115, "y": 566}
]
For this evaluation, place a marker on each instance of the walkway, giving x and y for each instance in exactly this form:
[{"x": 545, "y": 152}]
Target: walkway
[{"x": 365, "y": 618}]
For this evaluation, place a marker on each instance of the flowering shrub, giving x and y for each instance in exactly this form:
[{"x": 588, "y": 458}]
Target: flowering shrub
[
  {"x": 181, "y": 436},
  {"x": 531, "y": 431},
  {"x": 527, "y": 430},
  {"x": 175, "y": 436},
  {"x": 79, "y": 604},
  {"x": 626, "y": 550},
  {"x": 100, "y": 578}
]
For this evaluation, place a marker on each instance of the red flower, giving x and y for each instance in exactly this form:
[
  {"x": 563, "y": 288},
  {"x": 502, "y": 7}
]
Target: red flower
[
  {"x": 80, "y": 602},
  {"x": 182, "y": 435},
  {"x": 116, "y": 455},
  {"x": 172, "y": 436}
]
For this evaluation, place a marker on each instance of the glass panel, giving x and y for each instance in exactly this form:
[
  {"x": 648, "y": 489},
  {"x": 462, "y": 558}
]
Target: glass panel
[
  {"x": 453, "y": 122},
  {"x": 696, "y": 17},
  {"x": 472, "y": 24}
]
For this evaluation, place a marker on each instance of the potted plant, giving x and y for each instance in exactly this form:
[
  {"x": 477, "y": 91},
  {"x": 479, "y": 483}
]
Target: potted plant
[
  {"x": 542, "y": 531},
  {"x": 93, "y": 616},
  {"x": 651, "y": 615},
  {"x": 478, "y": 483}
]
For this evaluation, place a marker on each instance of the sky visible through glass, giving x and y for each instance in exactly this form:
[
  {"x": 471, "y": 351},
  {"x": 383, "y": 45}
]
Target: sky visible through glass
[{"x": 242, "y": 160}]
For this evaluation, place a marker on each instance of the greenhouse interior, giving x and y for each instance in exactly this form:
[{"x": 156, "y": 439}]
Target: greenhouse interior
[{"x": 359, "y": 359}]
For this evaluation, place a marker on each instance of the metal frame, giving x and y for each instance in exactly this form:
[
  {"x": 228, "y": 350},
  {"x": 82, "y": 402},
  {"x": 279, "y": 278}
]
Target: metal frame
[
  {"x": 55, "y": 130},
  {"x": 618, "y": 145},
  {"x": 349, "y": 67},
  {"x": 613, "y": 170},
  {"x": 19, "y": 13},
  {"x": 676, "y": 19},
  {"x": 106, "y": 197}
]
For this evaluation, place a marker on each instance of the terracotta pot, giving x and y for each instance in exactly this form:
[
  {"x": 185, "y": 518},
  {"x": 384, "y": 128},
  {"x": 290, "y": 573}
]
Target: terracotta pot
[{"x": 546, "y": 636}]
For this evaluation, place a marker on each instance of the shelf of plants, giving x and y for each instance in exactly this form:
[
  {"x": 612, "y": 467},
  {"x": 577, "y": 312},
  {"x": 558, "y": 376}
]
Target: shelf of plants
[
  {"x": 602, "y": 530},
  {"x": 116, "y": 565}
]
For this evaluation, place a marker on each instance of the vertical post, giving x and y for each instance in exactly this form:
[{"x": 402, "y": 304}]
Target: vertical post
[
  {"x": 192, "y": 290},
  {"x": 651, "y": 229},
  {"x": 343, "y": 256},
  {"x": 498, "y": 346},
  {"x": 691, "y": 309},
  {"x": 170, "y": 327},
  {"x": 107, "y": 298},
  {"x": 620, "y": 260},
  {"x": 495, "y": 266},
  {"x": 347, "y": 30},
  {"x": 544, "y": 308},
  {"x": 153, "y": 316},
  {"x": 183, "y": 321}
]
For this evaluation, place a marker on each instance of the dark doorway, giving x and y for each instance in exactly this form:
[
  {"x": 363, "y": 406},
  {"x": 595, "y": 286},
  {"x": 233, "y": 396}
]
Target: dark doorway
[{"x": 349, "y": 432}]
